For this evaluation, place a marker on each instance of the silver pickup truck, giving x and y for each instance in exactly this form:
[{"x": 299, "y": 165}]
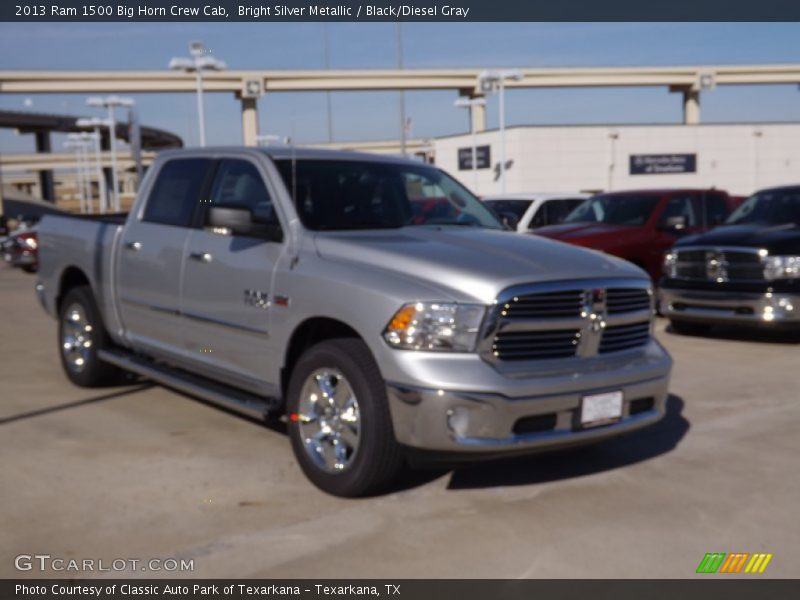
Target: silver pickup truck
[{"x": 372, "y": 302}]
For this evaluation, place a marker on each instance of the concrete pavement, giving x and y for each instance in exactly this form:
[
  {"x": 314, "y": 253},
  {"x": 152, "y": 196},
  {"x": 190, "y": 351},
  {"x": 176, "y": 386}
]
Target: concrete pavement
[{"x": 144, "y": 472}]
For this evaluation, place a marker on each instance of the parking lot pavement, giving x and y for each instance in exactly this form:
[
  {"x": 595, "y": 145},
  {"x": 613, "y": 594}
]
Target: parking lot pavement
[{"x": 144, "y": 472}]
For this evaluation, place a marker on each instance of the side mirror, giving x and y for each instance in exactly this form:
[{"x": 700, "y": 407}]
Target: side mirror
[
  {"x": 509, "y": 219},
  {"x": 238, "y": 220},
  {"x": 675, "y": 223}
]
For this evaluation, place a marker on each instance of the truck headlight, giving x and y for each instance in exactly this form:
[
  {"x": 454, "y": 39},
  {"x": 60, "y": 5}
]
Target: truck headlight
[
  {"x": 781, "y": 267},
  {"x": 670, "y": 265},
  {"x": 435, "y": 326}
]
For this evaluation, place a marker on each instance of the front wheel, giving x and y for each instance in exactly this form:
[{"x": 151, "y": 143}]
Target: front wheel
[{"x": 339, "y": 421}]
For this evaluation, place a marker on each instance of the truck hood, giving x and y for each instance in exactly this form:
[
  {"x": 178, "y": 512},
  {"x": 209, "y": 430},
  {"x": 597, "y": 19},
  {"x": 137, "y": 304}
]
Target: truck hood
[
  {"x": 777, "y": 239},
  {"x": 577, "y": 232},
  {"x": 476, "y": 263}
]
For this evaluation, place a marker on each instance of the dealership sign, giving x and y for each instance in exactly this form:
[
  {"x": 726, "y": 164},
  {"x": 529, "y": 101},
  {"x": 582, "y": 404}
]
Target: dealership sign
[
  {"x": 483, "y": 154},
  {"x": 657, "y": 164}
]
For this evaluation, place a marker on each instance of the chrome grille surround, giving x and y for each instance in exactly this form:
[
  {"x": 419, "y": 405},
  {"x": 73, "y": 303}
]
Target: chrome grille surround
[
  {"x": 511, "y": 334},
  {"x": 719, "y": 263}
]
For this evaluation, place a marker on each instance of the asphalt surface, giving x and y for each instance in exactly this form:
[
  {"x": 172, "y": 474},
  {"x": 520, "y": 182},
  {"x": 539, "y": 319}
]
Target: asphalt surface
[{"x": 142, "y": 472}]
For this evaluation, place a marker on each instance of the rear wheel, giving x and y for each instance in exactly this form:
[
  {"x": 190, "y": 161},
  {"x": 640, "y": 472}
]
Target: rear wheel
[
  {"x": 689, "y": 327},
  {"x": 339, "y": 421},
  {"x": 81, "y": 336}
]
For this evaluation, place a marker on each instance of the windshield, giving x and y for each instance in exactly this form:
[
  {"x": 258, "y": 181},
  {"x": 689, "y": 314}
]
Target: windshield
[
  {"x": 514, "y": 207},
  {"x": 771, "y": 207},
  {"x": 614, "y": 209},
  {"x": 344, "y": 194}
]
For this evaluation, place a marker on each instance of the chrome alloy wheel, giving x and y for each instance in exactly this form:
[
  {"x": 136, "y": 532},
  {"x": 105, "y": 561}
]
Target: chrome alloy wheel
[
  {"x": 76, "y": 338},
  {"x": 329, "y": 420}
]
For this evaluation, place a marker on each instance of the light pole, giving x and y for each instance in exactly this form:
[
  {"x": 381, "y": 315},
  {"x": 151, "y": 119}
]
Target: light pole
[
  {"x": 88, "y": 139},
  {"x": 757, "y": 135},
  {"x": 471, "y": 103},
  {"x": 77, "y": 143},
  {"x": 490, "y": 81},
  {"x": 111, "y": 102},
  {"x": 200, "y": 61},
  {"x": 95, "y": 124},
  {"x": 327, "y": 42},
  {"x": 398, "y": 40},
  {"x": 612, "y": 165}
]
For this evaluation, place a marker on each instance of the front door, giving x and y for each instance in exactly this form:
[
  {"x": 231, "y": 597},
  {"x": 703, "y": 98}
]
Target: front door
[{"x": 226, "y": 292}]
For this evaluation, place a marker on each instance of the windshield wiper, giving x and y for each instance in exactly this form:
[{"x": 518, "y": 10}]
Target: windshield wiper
[
  {"x": 450, "y": 224},
  {"x": 359, "y": 226}
]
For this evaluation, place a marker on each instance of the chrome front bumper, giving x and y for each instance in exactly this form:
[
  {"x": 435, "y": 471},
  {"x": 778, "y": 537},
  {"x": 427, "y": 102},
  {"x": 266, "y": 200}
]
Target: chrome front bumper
[
  {"x": 463, "y": 422},
  {"x": 730, "y": 307}
]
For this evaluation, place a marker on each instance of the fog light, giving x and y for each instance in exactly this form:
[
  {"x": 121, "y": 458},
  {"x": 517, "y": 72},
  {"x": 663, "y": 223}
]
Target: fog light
[{"x": 458, "y": 421}]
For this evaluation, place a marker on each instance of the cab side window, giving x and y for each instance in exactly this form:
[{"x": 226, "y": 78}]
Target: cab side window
[
  {"x": 176, "y": 192},
  {"x": 239, "y": 184}
]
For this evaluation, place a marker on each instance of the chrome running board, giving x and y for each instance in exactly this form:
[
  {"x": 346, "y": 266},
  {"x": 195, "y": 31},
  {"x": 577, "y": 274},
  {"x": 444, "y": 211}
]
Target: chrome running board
[{"x": 258, "y": 407}]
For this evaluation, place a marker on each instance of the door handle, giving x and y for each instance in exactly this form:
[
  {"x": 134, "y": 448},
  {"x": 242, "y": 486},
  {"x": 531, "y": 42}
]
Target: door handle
[
  {"x": 135, "y": 246},
  {"x": 204, "y": 257}
]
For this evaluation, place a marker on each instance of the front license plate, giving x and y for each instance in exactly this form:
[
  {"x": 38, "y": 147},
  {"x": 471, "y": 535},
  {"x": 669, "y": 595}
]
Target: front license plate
[{"x": 600, "y": 409}]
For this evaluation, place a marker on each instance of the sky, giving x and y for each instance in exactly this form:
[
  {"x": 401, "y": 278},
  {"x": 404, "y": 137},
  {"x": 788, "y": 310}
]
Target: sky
[{"x": 374, "y": 115}]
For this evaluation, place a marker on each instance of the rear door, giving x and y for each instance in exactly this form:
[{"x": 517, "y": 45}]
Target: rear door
[
  {"x": 151, "y": 258},
  {"x": 227, "y": 283}
]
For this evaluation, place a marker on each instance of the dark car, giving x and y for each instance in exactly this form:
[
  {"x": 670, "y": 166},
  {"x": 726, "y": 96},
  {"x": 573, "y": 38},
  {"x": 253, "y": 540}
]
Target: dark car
[
  {"x": 640, "y": 226},
  {"x": 744, "y": 272},
  {"x": 20, "y": 249}
]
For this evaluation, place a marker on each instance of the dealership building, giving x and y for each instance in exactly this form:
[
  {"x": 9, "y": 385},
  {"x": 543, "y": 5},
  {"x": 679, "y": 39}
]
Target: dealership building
[{"x": 739, "y": 158}]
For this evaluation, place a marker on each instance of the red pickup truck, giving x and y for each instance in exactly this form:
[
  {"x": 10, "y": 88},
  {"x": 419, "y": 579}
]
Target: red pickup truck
[{"x": 640, "y": 226}]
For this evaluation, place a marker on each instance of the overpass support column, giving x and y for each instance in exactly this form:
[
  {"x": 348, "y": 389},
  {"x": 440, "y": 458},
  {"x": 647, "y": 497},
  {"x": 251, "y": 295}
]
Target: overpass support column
[
  {"x": 46, "y": 185},
  {"x": 250, "y": 121},
  {"x": 691, "y": 107},
  {"x": 477, "y": 115}
]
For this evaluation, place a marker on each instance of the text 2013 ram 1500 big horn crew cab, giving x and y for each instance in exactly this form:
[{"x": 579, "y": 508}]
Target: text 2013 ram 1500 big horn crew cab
[
  {"x": 746, "y": 272},
  {"x": 314, "y": 284}
]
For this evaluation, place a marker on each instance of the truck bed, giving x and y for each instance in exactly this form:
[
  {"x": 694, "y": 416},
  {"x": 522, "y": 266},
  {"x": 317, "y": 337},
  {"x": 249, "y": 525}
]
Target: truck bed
[{"x": 80, "y": 242}]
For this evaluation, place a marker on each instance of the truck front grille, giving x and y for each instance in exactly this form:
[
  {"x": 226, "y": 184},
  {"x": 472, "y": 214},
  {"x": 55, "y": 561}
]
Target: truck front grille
[
  {"x": 718, "y": 264},
  {"x": 624, "y": 337},
  {"x": 533, "y": 345},
  {"x": 568, "y": 319},
  {"x": 621, "y": 300},
  {"x": 553, "y": 304}
]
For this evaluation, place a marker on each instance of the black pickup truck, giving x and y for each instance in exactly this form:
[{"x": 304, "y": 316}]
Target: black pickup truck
[{"x": 746, "y": 271}]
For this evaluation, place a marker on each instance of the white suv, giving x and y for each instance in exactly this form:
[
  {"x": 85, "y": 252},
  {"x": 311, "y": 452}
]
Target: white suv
[{"x": 535, "y": 209}]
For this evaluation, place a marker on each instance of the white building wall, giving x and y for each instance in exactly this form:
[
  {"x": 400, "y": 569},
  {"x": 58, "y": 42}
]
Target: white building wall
[{"x": 739, "y": 158}]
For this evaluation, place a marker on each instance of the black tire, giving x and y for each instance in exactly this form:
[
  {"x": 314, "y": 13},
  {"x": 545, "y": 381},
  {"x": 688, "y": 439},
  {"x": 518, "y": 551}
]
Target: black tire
[
  {"x": 92, "y": 372},
  {"x": 689, "y": 327},
  {"x": 378, "y": 458}
]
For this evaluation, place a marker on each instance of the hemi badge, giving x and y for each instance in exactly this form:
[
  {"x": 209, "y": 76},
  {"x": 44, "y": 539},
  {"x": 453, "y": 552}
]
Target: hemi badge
[{"x": 281, "y": 301}]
